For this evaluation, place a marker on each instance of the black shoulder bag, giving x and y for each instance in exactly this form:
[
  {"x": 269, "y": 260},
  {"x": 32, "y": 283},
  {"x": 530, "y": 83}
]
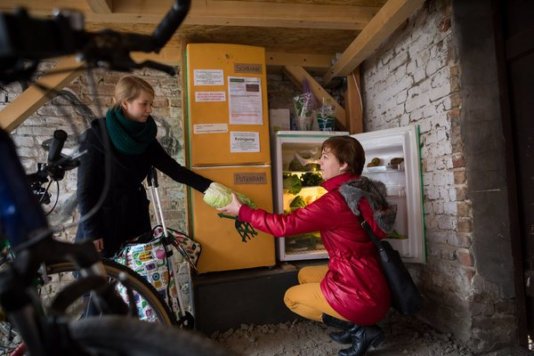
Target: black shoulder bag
[{"x": 404, "y": 293}]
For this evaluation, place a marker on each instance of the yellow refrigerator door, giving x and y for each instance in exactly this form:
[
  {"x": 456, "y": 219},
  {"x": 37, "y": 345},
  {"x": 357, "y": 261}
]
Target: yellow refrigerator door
[
  {"x": 222, "y": 246},
  {"x": 227, "y": 110}
]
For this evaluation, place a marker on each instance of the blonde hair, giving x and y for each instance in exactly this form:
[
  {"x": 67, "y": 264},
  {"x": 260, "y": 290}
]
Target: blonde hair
[{"x": 129, "y": 87}]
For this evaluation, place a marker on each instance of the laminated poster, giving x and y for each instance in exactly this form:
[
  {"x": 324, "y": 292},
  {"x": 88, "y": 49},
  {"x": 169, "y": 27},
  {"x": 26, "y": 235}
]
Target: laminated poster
[
  {"x": 244, "y": 141},
  {"x": 245, "y": 101}
]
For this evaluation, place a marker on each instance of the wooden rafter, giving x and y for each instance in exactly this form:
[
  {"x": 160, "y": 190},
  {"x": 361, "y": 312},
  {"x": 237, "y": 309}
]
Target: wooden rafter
[
  {"x": 210, "y": 12},
  {"x": 100, "y": 6},
  {"x": 269, "y": 14},
  {"x": 171, "y": 55},
  {"x": 306, "y": 60},
  {"x": 32, "y": 98},
  {"x": 385, "y": 22},
  {"x": 298, "y": 75}
]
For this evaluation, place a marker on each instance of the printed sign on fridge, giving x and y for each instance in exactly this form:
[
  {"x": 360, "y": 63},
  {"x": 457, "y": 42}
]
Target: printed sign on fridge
[
  {"x": 244, "y": 142},
  {"x": 208, "y": 77},
  {"x": 245, "y": 101}
]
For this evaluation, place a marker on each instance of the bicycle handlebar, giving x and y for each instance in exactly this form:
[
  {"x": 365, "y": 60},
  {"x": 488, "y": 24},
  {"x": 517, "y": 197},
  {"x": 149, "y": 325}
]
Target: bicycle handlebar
[
  {"x": 24, "y": 41},
  {"x": 58, "y": 140}
]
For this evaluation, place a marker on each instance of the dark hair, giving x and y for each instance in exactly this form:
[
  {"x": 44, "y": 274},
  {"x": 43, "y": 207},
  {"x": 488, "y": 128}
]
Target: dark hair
[{"x": 347, "y": 150}]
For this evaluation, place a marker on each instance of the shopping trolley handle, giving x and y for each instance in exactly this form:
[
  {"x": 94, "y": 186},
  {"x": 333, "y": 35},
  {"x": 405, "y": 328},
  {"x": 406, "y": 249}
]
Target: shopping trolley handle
[{"x": 152, "y": 177}]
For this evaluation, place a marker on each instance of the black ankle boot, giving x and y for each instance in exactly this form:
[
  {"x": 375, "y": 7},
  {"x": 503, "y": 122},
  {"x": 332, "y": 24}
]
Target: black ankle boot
[
  {"x": 336, "y": 323},
  {"x": 362, "y": 339},
  {"x": 344, "y": 336}
]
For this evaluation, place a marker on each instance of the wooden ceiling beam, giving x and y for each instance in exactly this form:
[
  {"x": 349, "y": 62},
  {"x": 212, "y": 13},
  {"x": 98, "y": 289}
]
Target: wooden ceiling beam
[
  {"x": 210, "y": 12},
  {"x": 385, "y": 22},
  {"x": 32, "y": 98},
  {"x": 100, "y": 6},
  {"x": 270, "y": 14},
  {"x": 306, "y": 60},
  {"x": 171, "y": 55}
]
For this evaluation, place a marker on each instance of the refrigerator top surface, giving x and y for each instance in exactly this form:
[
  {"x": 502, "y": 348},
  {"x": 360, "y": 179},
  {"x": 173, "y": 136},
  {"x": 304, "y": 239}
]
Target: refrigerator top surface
[{"x": 310, "y": 133}]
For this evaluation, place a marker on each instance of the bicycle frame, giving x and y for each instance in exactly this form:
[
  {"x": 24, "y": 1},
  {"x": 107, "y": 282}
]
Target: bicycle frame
[{"x": 27, "y": 230}]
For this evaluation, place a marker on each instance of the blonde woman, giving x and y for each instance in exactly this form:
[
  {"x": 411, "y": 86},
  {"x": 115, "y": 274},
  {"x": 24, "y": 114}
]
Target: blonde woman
[{"x": 134, "y": 149}]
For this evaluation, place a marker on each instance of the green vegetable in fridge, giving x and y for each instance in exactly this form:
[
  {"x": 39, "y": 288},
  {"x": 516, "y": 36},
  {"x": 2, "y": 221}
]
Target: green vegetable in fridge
[
  {"x": 292, "y": 183},
  {"x": 218, "y": 196},
  {"x": 310, "y": 179},
  {"x": 297, "y": 202},
  {"x": 312, "y": 167},
  {"x": 296, "y": 166}
]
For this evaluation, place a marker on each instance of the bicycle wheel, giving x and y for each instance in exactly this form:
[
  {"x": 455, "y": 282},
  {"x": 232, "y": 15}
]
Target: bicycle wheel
[
  {"x": 61, "y": 273},
  {"x": 115, "y": 335}
]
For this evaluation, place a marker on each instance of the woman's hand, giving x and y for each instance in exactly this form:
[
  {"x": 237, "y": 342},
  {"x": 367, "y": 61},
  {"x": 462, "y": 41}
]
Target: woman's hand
[{"x": 233, "y": 207}]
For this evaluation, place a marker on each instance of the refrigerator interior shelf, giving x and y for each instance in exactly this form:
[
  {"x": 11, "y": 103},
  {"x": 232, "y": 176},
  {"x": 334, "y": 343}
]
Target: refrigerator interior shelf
[
  {"x": 304, "y": 242},
  {"x": 383, "y": 169},
  {"x": 300, "y": 172}
]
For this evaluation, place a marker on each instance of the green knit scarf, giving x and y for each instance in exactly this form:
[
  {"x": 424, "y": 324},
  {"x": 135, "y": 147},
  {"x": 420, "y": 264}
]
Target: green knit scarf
[{"x": 128, "y": 136}]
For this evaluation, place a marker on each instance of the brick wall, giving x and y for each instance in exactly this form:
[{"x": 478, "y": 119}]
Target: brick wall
[
  {"x": 59, "y": 113},
  {"x": 418, "y": 78}
]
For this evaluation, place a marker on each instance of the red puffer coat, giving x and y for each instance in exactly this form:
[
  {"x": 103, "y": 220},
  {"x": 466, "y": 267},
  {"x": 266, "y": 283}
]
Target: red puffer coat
[{"x": 354, "y": 284}]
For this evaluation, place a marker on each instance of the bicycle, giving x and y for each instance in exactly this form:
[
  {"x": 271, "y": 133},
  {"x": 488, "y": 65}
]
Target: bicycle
[
  {"x": 24, "y": 225},
  {"x": 59, "y": 275},
  {"x": 61, "y": 272}
]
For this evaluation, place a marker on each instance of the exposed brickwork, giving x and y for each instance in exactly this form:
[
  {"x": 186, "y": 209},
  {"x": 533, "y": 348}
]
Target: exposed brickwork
[
  {"x": 415, "y": 79},
  {"x": 60, "y": 114}
]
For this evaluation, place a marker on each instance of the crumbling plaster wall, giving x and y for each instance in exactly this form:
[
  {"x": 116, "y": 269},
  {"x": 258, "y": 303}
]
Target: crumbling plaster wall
[{"x": 439, "y": 72}]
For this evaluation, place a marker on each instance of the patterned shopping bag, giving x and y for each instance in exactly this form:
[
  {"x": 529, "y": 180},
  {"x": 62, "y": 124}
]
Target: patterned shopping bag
[{"x": 156, "y": 260}]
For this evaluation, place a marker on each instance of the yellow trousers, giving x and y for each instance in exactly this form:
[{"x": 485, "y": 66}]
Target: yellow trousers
[{"x": 306, "y": 298}]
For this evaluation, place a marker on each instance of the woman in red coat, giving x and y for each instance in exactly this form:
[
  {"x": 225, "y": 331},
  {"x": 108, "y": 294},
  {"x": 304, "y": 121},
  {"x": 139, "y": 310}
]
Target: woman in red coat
[{"x": 350, "y": 292}]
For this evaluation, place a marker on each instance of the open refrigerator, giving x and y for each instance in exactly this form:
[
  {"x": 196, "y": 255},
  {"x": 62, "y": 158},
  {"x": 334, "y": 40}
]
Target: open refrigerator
[
  {"x": 295, "y": 161},
  {"x": 393, "y": 157}
]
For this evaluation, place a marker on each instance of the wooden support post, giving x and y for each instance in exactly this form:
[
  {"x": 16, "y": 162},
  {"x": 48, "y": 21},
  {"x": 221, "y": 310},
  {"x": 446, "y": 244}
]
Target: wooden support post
[{"x": 354, "y": 103}]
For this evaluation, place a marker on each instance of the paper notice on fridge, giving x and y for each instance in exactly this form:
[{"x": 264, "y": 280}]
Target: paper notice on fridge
[
  {"x": 210, "y": 96},
  {"x": 245, "y": 101},
  {"x": 209, "y": 128},
  {"x": 208, "y": 77},
  {"x": 244, "y": 142}
]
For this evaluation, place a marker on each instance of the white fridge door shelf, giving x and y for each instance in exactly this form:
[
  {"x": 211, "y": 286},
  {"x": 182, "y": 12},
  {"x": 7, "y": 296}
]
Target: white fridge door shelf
[{"x": 404, "y": 186}]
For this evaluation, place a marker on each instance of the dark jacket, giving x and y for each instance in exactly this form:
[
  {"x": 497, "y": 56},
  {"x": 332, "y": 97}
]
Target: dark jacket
[
  {"x": 354, "y": 285},
  {"x": 124, "y": 213}
]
